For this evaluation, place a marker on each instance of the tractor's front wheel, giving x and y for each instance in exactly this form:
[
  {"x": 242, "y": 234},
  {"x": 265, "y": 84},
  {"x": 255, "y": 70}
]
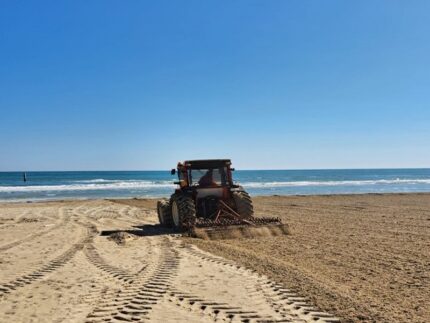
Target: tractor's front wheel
[{"x": 183, "y": 212}]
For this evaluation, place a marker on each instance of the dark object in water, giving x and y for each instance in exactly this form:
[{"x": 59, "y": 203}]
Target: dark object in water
[{"x": 24, "y": 176}]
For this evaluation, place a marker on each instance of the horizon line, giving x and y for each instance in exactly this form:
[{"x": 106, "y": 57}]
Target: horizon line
[{"x": 242, "y": 169}]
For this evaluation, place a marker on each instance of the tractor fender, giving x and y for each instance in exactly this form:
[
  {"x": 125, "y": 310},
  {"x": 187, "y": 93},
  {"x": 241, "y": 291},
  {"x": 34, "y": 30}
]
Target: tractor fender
[{"x": 237, "y": 189}]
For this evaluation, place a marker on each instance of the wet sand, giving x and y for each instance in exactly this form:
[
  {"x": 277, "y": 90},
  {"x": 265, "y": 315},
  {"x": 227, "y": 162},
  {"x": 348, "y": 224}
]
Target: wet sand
[{"x": 363, "y": 258}]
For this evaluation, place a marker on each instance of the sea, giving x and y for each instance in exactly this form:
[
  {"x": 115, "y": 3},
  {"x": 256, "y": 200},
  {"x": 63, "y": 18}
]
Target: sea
[{"x": 140, "y": 184}]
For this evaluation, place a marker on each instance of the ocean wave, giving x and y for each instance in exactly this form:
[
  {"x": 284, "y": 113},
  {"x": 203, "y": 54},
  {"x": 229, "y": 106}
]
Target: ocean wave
[
  {"x": 99, "y": 180},
  {"x": 101, "y": 184},
  {"x": 89, "y": 187},
  {"x": 336, "y": 183}
]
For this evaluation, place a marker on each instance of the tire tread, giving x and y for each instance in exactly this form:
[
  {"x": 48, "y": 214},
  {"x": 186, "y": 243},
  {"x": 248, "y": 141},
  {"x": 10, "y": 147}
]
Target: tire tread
[{"x": 243, "y": 204}]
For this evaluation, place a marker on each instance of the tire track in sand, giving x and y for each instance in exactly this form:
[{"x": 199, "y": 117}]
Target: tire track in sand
[
  {"x": 135, "y": 300},
  {"x": 201, "y": 307},
  {"x": 63, "y": 221},
  {"x": 283, "y": 301},
  {"x": 49, "y": 267},
  {"x": 95, "y": 259},
  {"x": 218, "y": 311}
]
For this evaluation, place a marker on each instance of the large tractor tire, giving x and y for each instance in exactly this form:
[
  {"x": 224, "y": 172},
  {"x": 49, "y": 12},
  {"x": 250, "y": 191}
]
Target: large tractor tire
[
  {"x": 164, "y": 213},
  {"x": 243, "y": 204},
  {"x": 183, "y": 212}
]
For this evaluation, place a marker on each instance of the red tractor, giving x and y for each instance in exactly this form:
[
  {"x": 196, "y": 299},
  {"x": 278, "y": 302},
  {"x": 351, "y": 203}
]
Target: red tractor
[{"x": 207, "y": 197}]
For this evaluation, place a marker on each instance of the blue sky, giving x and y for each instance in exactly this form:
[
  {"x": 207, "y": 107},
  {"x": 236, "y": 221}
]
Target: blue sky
[{"x": 111, "y": 85}]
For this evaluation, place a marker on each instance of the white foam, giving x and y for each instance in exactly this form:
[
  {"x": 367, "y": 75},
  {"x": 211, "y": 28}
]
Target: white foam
[
  {"x": 336, "y": 183},
  {"x": 100, "y": 184},
  {"x": 121, "y": 185},
  {"x": 99, "y": 180}
]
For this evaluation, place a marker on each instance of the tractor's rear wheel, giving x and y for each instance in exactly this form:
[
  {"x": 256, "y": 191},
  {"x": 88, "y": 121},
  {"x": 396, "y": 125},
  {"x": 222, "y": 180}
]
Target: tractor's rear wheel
[
  {"x": 243, "y": 204},
  {"x": 183, "y": 212},
  {"x": 164, "y": 213}
]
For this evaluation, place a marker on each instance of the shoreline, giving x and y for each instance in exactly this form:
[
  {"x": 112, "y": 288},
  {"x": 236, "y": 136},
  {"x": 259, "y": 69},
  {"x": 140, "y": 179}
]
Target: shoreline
[{"x": 53, "y": 200}]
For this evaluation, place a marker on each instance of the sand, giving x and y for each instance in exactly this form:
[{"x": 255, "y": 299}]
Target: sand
[{"x": 360, "y": 258}]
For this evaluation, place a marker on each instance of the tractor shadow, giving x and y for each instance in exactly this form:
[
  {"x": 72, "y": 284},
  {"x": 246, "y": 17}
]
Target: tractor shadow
[{"x": 146, "y": 230}]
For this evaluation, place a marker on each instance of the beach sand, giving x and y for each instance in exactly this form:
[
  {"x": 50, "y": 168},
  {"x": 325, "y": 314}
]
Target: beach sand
[{"x": 363, "y": 258}]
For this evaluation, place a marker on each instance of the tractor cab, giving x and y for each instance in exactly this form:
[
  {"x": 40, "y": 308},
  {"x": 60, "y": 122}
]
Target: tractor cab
[
  {"x": 211, "y": 173},
  {"x": 207, "y": 182}
]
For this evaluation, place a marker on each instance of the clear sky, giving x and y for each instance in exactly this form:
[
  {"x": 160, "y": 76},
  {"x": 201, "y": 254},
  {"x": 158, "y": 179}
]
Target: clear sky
[{"x": 112, "y": 85}]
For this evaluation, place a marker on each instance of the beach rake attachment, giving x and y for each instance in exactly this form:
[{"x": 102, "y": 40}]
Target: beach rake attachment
[{"x": 228, "y": 224}]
